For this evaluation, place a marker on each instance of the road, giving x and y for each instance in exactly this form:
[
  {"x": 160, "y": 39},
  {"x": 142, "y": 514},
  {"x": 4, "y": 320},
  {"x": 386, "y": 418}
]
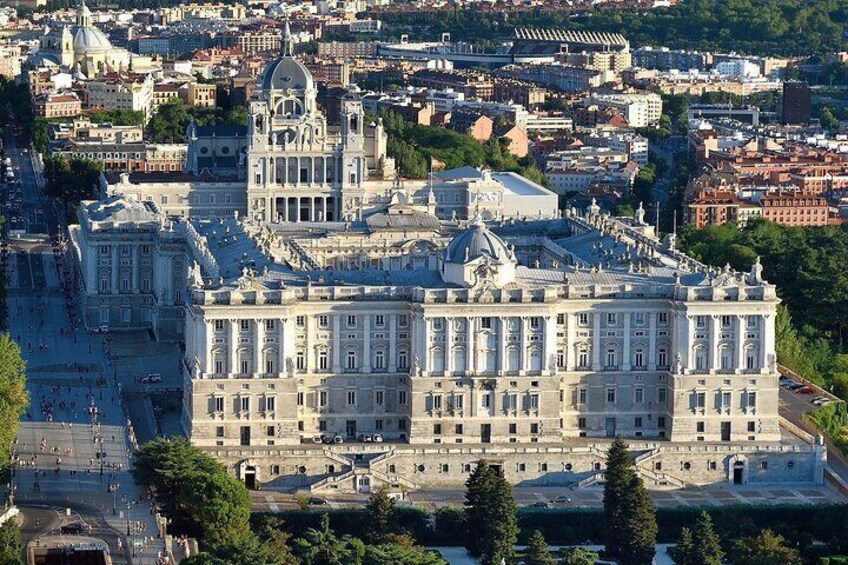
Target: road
[{"x": 72, "y": 445}]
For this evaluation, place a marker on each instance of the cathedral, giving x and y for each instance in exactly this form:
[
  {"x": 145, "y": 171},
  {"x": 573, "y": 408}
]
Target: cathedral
[{"x": 83, "y": 48}]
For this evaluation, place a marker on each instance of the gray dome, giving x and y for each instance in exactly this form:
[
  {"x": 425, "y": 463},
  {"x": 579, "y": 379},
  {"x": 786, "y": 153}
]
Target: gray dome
[
  {"x": 89, "y": 39},
  {"x": 474, "y": 242},
  {"x": 287, "y": 73}
]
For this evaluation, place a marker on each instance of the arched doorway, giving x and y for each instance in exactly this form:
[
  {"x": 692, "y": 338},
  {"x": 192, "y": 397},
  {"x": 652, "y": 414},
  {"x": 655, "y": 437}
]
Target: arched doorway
[
  {"x": 738, "y": 473},
  {"x": 737, "y": 470},
  {"x": 249, "y": 477}
]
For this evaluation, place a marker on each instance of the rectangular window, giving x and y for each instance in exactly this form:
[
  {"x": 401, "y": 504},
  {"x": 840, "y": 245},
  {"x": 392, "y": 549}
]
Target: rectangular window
[
  {"x": 725, "y": 400},
  {"x": 752, "y": 400},
  {"x": 300, "y": 321},
  {"x": 752, "y": 427},
  {"x": 725, "y": 321},
  {"x": 402, "y": 320},
  {"x": 379, "y": 320},
  {"x": 534, "y": 402},
  {"x": 437, "y": 429},
  {"x": 662, "y": 318},
  {"x": 700, "y": 400},
  {"x": 245, "y": 325},
  {"x": 486, "y": 323},
  {"x": 351, "y": 398},
  {"x": 583, "y": 319},
  {"x": 323, "y": 321},
  {"x": 300, "y": 397},
  {"x": 560, "y": 319},
  {"x": 269, "y": 325},
  {"x": 581, "y": 423},
  {"x": 535, "y": 322},
  {"x": 610, "y": 395},
  {"x": 402, "y": 397},
  {"x": 700, "y": 321},
  {"x": 639, "y": 396},
  {"x": 513, "y": 428},
  {"x": 351, "y": 321},
  {"x": 611, "y": 318},
  {"x": 661, "y": 422},
  {"x": 581, "y": 396},
  {"x": 378, "y": 425},
  {"x": 662, "y": 395},
  {"x": 637, "y": 422},
  {"x": 219, "y": 431},
  {"x": 322, "y": 398},
  {"x": 245, "y": 404},
  {"x": 699, "y": 427},
  {"x": 437, "y": 402},
  {"x": 219, "y": 404}
]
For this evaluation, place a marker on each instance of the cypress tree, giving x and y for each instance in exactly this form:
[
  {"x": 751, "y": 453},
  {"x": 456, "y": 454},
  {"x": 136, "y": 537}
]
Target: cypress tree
[
  {"x": 707, "y": 544},
  {"x": 631, "y": 522},
  {"x": 491, "y": 516},
  {"x": 537, "y": 551},
  {"x": 685, "y": 548}
]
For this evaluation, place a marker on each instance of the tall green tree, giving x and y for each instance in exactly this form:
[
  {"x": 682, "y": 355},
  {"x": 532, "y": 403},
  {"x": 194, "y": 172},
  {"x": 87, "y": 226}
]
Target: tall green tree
[
  {"x": 699, "y": 546},
  {"x": 537, "y": 552},
  {"x": 397, "y": 554},
  {"x": 630, "y": 516},
  {"x": 767, "y": 548},
  {"x": 11, "y": 544},
  {"x": 380, "y": 506},
  {"x": 577, "y": 556},
  {"x": 491, "y": 515},
  {"x": 14, "y": 397},
  {"x": 220, "y": 504}
]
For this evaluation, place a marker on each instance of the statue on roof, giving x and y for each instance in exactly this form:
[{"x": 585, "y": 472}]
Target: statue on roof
[{"x": 639, "y": 215}]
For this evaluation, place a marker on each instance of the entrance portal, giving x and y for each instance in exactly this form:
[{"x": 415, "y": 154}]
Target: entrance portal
[
  {"x": 250, "y": 477},
  {"x": 738, "y": 473}
]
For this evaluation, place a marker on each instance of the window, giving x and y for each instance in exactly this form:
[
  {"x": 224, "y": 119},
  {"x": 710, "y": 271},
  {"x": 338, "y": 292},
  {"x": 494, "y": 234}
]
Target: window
[
  {"x": 583, "y": 319},
  {"x": 219, "y": 325},
  {"x": 581, "y": 423},
  {"x": 323, "y": 360},
  {"x": 437, "y": 402},
  {"x": 725, "y": 321},
  {"x": 402, "y": 397},
  {"x": 637, "y": 422},
  {"x": 535, "y": 322},
  {"x": 699, "y": 427},
  {"x": 244, "y": 325},
  {"x": 583, "y": 358},
  {"x": 402, "y": 320},
  {"x": 661, "y": 422},
  {"x": 269, "y": 325},
  {"x": 560, "y": 359},
  {"x": 300, "y": 321},
  {"x": 534, "y": 428},
  {"x": 611, "y": 318},
  {"x": 700, "y": 322},
  {"x": 610, "y": 395},
  {"x": 437, "y": 429},
  {"x": 351, "y": 398},
  {"x": 270, "y": 431},
  {"x": 379, "y": 320},
  {"x": 271, "y": 404},
  {"x": 351, "y": 359},
  {"x": 300, "y": 398},
  {"x": 219, "y": 404},
  {"x": 581, "y": 396},
  {"x": 379, "y": 359},
  {"x": 700, "y": 400},
  {"x": 300, "y": 361},
  {"x": 486, "y": 400},
  {"x": 752, "y": 400},
  {"x": 438, "y": 324},
  {"x": 510, "y": 401},
  {"x": 662, "y": 357},
  {"x": 752, "y": 427},
  {"x": 403, "y": 359},
  {"x": 534, "y": 402},
  {"x": 486, "y": 323},
  {"x": 323, "y": 321},
  {"x": 611, "y": 358},
  {"x": 245, "y": 404},
  {"x": 513, "y": 428},
  {"x": 751, "y": 359},
  {"x": 219, "y": 431},
  {"x": 662, "y": 318},
  {"x": 378, "y": 425},
  {"x": 351, "y": 321},
  {"x": 639, "y": 358},
  {"x": 751, "y": 322},
  {"x": 560, "y": 319},
  {"x": 322, "y": 398},
  {"x": 662, "y": 395},
  {"x": 639, "y": 396}
]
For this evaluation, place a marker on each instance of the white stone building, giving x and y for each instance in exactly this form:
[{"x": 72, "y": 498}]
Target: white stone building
[{"x": 528, "y": 343}]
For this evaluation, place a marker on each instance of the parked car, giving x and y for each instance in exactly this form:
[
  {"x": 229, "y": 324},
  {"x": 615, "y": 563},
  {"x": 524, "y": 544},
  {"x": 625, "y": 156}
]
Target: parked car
[
  {"x": 377, "y": 438},
  {"x": 150, "y": 378},
  {"x": 787, "y": 383},
  {"x": 366, "y": 438},
  {"x": 318, "y": 438},
  {"x": 338, "y": 438},
  {"x": 803, "y": 390},
  {"x": 795, "y": 386},
  {"x": 821, "y": 401},
  {"x": 317, "y": 501},
  {"x": 540, "y": 504},
  {"x": 76, "y": 528},
  {"x": 102, "y": 329},
  {"x": 561, "y": 499}
]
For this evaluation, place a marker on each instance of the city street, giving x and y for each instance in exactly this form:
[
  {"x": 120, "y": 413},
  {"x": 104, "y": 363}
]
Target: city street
[{"x": 72, "y": 454}]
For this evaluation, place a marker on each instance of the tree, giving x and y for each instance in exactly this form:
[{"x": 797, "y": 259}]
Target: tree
[
  {"x": 707, "y": 545},
  {"x": 491, "y": 515},
  {"x": 220, "y": 504},
  {"x": 396, "y": 554},
  {"x": 537, "y": 552},
  {"x": 14, "y": 398},
  {"x": 272, "y": 533},
  {"x": 71, "y": 180},
  {"x": 577, "y": 556},
  {"x": 118, "y": 117},
  {"x": 169, "y": 123},
  {"x": 164, "y": 464},
  {"x": 11, "y": 545},
  {"x": 765, "y": 549},
  {"x": 630, "y": 518},
  {"x": 683, "y": 553},
  {"x": 322, "y": 547},
  {"x": 379, "y": 508}
]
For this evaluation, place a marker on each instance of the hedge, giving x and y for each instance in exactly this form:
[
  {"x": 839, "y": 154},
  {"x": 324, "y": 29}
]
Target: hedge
[{"x": 570, "y": 526}]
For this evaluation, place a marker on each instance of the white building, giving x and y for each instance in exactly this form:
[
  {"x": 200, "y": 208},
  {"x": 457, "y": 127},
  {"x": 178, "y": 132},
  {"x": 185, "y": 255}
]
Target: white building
[{"x": 640, "y": 109}]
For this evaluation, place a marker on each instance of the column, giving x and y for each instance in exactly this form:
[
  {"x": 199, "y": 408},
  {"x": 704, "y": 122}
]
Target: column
[
  {"x": 233, "y": 346},
  {"x": 135, "y": 266},
  {"x": 652, "y": 341},
  {"x": 114, "y": 268},
  {"x": 297, "y": 208},
  {"x": 685, "y": 327},
  {"x": 449, "y": 368},
  {"x": 392, "y": 334},
  {"x": 425, "y": 352},
  {"x": 92, "y": 281},
  {"x": 210, "y": 342},
  {"x": 260, "y": 346},
  {"x": 324, "y": 209},
  {"x": 571, "y": 342},
  {"x": 522, "y": 367},
  {"x": 312, "y": 207},
  {"x": 596, "y": 341},
  {"x": 281, "y": 346},
  {"x": 739, "y": 343},
  {"x": 503, "y": 328},
  {"x": 311, "y": 331},
  {"x": 549, "y": 364},
  {"x": 286, "y": 209},
  {"x": 625, "y": 350},
  {"x": 289, "y": 343},
  {"x": 366, "y": 343},
  {"x": 766, "y": 343},
  {"x": 715, "y": 362},
  {"x": 470, "y": 347},
  {"x": 337, "y": 344}
]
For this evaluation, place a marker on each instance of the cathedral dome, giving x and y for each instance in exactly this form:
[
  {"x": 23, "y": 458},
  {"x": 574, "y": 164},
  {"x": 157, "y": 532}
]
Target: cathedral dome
[
  {"x": 476, "y": 241},
  {"x": 90, "y": 40},
  {"x": 287, "y": 73}
]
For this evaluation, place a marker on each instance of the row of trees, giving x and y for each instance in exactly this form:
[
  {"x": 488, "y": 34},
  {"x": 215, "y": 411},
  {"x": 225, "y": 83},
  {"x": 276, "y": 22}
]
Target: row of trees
[
  {"x": 14, "y": 397},
  {"x": 71, "y": 180},
  {"x": 11, "y": 544},
  {"x": 770, "y": 27},
  {"x": 415, "y": 148},
  {"x": 169, "y": 123}
]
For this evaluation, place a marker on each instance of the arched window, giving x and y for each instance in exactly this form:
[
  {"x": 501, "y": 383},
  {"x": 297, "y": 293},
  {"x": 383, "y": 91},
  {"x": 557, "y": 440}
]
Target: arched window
[
  {"x": 437, "y": 359},
  {"x": 700, "y": 358}
]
